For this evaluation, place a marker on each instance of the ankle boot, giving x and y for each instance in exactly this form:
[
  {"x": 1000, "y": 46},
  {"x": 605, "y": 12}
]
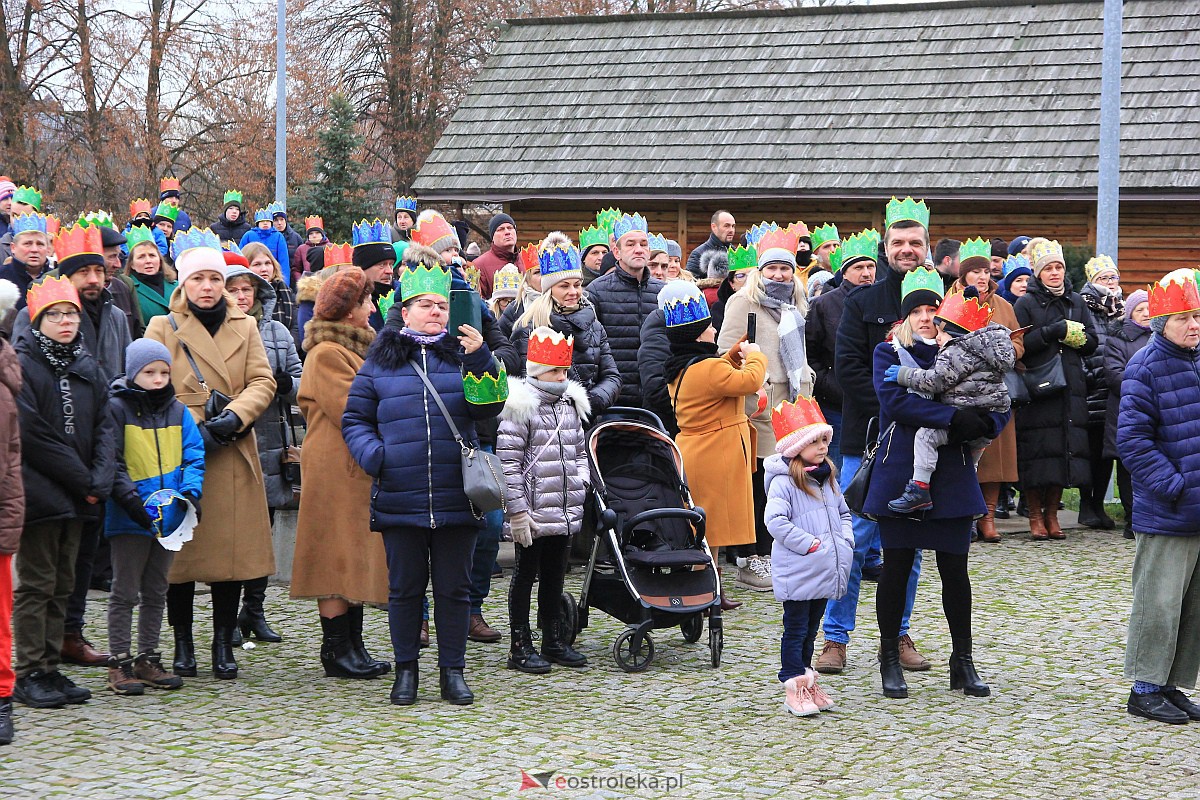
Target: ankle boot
[
  {"x": 404, "y": 688},
  {"x": 1037, "y": 524},
  {"x": 355, "y": 615},
  {"x": 522, "y": 655},
  {"x": 454, "y": 687},
  {"x": 224, "y": 664},
  {"x": 962, "y": 671},
  {"x": 185, "y": 654},
  {"x": 252, "y": 619},
  {"x": 556, "y": 647},
  {"x": 338, "y": 656},
  {"x": 890, "y": 670},
  {"x": 1053, "y": 496},
  {"x": 987, "y": 523},
  {"x": 6, "y": 723}
]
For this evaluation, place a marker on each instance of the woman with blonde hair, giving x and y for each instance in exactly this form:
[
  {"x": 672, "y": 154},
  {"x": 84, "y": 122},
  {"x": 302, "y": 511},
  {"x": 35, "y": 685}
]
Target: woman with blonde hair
[
  {"x": 150, "y": 277},
  {"x": 263, "y": 264}
]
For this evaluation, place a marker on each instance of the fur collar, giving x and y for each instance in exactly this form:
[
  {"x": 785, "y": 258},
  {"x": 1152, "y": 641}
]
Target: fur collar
[
  {"x": 392, "y": 349},
  {"x": 523, "y": 400},
  {"x": 307, "y": 288},
  {"x": 356, "y": 340}
]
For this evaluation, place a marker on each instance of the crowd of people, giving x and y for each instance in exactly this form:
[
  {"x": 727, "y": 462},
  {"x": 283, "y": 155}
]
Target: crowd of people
[{"x": 153, "y": 376}]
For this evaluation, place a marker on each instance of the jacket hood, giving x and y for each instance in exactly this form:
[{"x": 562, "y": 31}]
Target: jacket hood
[
  {"x": 392, "y": 350},
  {"x": 307, "y": 288},
  {"x": 774, "y": 468},
  {"x": 263, "y": 290},
  {"x": 523, "y": 400}
]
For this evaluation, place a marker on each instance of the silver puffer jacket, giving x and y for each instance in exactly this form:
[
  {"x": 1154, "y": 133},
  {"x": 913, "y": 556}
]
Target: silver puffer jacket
[
  {"x": 969, "y": 371},
  {"x": 542, "y": 446}
]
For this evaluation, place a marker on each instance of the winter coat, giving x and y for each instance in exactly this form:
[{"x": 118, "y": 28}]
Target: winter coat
[
  {"x": 68, "y": 441},
  {"x": 717, "y": 444},
  {"x": 228, "y": 231},
  {"x": 796, "y": 519},
  {"x": 14, "y": 272},
  {"x": 489, "y": 264},
  {"x": 299, "y": 265},
  {"x": 653, "y": 352},
  {"x": 1093, "y": 365},
  {"x": 724, "y": 292},
  {"x": 150, "y": 303},
  {"x": 1052, "y": 435},
  {"x": 158, "y": 446},
  {"x": 820, "y": 331},
  {"x": 1119, "y": 347},
  {"x": 285, "y": 310},
  {"x": 399, "y": 437},
  {"x": 233, "y": 540},
  {"x": 306, "y": 300},
  {"x": 622, "y": 304},
  {"x": 124, "y": 301},
  {"x": 592, "y": 364},
  {"x": 293, "y": 240},
  {"x": 693, "y": 260},
  {"x": 516, "y": 308},
  {"x": 12, "y": 488},
  {"x": 271, "y": 238},
  {"x": 106, "y": 341},
  {"x": 336, "y": 553},
  {"x": 544, "y": 452},
  {"x": 1158, "y": 437},
  {"x": 968, "y": 371}
]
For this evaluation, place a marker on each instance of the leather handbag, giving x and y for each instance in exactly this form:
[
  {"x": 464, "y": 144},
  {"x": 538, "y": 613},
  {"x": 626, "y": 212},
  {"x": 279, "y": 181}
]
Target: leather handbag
[
  {"x": 1046, "y": 380},
  {"x": 483, "y": 475},
  {"x": 856, "y": 491},
  {"x": 290, "y": 457},
  {"x": 1018, "y": 392}
]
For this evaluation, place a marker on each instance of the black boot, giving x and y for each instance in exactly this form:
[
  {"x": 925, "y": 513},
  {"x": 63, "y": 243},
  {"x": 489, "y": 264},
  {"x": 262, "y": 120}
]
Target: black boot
[
  {"x": 355, "y": 615},
  {"x": 6, "y": 726},
  {"x": 962, "y": 671},
  {"x": 404, "y": 689},
  {"x": 454, "y": 688},
  {"x": 223, "y": 662},
  {"x": 338, "y": 655},
  {"x": 556, "y": 647},
  {"x": 185, "y": 654},
  {"x": 889, "y": 669},
  {"x": 252, "y": 619},
  {"x": 522, "y": 655}
]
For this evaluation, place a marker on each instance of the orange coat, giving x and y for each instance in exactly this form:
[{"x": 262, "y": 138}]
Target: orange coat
[{"x": 718, "y": 443}]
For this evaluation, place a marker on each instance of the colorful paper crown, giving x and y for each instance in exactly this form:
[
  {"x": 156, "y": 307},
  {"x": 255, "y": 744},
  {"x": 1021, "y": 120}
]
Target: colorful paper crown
[
  {"x": 835, "y": 259},
  {"x": 506, "y": 279},
  {"x": 48, "y": 292},
  {"x": 527, "y": 258},
  {"x": 777, "y": 238},
  {"x": 859, "y": 246},
  {"x": 590, "y": 237},
  {"x": 607, "y": 219},
  {"x": 167, "y": 212},
  {"x": 169, "y": 185},
  {"x": 313, "y": 222},
  {"x": 906, "y": 210},
  {"x": 407, "y": 203},
  {"x": 1045, "y": 251},
  {"x": 230, "y": 246},
  {"x": 262, "y": 215},
  {"x": 28, "y": 223},
  {"x": 192, "y": 238},
  {"x": 232, "y": 196},
  {"x": 29, "y": 196},
  {"x": 385, "y": 302},
  {"x": 433, "y": 231},
  {"x": 797, "y": 425},
  {"x": 822, "y": 234},
  {"x": 560, "y": 261},
  {"x": 140, "y": 206},
  {"x": 52, "y": 225},
  {"x": 277, "y": 209},
  {"x": 658, "y": 244},
  {"x": 975, "y": 248},
  {"x": 1175, "y": 293},
  {"x": 420, "y": 279},
  {"x": 628, "y": 223},
  {"x": 139, "y": 234},
  {"x": 101, "y": 219},
  {"x": 78, "y": 240},
  {"x": 373, "y": 232},
  {"x": 337, "y": 255},
  {"x": 922, "y": 278},
  {"x": 760, "y": 230},
  {"x": 741, "y": 258},
  {"x": 1016, "y": 262},
  {"x": 549, "y": 348},
  {"x": 964, "y": 310},
  {"x": 486, "y": 389},
  {"x": 800, "y": 229},
  {"x": 683, "y": 303},
  {"x": 474, "y": 277},
  {"x": 1097, "y": 266}
]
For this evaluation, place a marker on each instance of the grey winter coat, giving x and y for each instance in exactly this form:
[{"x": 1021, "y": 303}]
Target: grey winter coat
[
  {"x": 542, "y": 446},
  {"x": 795, "y": 520},
  {"x": 969, "y": 371}
]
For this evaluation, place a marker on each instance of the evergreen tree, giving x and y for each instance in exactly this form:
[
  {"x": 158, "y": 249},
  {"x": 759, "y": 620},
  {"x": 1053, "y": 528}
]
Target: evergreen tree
[{"x": 337, "y": 192}]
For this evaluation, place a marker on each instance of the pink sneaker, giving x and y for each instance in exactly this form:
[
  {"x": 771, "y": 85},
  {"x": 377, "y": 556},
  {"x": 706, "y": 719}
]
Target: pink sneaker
[
  {"x": 798, "y": 698},
  {"x": 822, "y": 701}
]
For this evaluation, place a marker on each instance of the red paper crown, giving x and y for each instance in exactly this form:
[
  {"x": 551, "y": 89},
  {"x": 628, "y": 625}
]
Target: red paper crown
[
  {"x": 169, "y": 185},
  {"x": 50, "y": 291},
  {"x": 799, "y": 228},
  {"x": 967, "y": 313},
  {"x": 338, "y": 254},
  {"x": 528, "y": 258},
  {"x": 52, "y": 225},
  {"x": 550, "y": 348},
  {"x": 1176, "y": 293},
  {"x": 78, "y": 240},
  {"x": 313, "y": 222},
  {"x": 787, "y": 239},
  {"x": 139, "y": 206},
  {"x": 432, "y": 228},
  {"x": 791, "y": 421}
]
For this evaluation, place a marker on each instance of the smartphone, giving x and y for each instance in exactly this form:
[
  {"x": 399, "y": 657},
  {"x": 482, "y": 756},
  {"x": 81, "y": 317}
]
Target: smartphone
[
  {"x": 751, "y": 325},
  {"x": 465, "y": 309}
]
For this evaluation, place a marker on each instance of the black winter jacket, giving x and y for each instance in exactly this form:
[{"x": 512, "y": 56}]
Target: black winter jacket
[
  {"x": 592, "y": 364},
  {"x": 693, "y": 262},
  {"x": 231, "y": 231},
  {"x": 820, "y": 331},
  {"x": 653, "y": 353},
  {"x": 1119, "y": 347},
  {"x": 1097, "y": 398},
  {"x": 622, "y": 304}
]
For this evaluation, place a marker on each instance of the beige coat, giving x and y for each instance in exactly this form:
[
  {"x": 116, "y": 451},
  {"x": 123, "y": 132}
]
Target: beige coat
[
  {"x": 233, "y": 540},
  {"x": 337, "y": 555}
]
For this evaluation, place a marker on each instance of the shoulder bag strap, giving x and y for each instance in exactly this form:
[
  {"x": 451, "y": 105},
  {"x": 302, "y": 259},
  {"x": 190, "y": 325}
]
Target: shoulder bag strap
[
  {"x": 437, "y": 399},
  {"x": 188, "y": 353},
  {"x": 679, "y": 385}
]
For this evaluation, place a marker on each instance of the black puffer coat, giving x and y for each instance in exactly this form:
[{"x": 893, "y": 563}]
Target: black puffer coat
[
  {"x": 592, "y": 364},
  {"x": 1052, "y": 436},
  {"x": 622, "y": 304},
  {"x": 820, "y": 331},
  {"x": 231, "y": 231},
  {"x": 653, "y": 353},
  {"x": 1106, "y": 323},
  {"x": 1119, "y": 347}
]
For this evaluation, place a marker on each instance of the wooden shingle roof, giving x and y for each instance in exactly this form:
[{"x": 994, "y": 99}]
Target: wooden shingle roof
[{"x": 992, "y": 98}]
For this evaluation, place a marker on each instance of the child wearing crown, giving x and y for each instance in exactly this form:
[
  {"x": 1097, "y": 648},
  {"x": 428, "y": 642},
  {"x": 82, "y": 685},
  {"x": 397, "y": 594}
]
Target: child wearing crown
[
  {"x": 813, "y": 546},
  {"x": 541, "y": 444}
]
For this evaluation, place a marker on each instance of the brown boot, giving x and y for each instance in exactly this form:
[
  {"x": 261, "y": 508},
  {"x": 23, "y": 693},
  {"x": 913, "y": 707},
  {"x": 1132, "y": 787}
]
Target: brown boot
[
  {"x": 1037, "y": 524},
  {"x": 480, "y": 631},
  {"x": 425, "y": 633},
  {"x": 910, "y": 658},
  {"x": 987, "y": 523},
  {"x": 832, "y": 659},
  {"x": 1053, "y": 497},
  {"x": 78, "y": 650}
]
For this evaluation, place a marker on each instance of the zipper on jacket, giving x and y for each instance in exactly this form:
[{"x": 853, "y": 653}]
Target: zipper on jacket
[
  {"x": 428, "y": 440},
  {"x": 562, "y": 461}
]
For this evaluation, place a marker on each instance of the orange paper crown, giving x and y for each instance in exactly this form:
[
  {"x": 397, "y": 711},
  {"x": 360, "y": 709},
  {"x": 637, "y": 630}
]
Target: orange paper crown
[
  {"x": 797, "y": 425},
  {"x": 787, "y": 239},
  {"x": 52, "y": 225},
  {"x": 338, "y": 254},
  {"x": 139, "y": 206},
  {"x": 78, "y": 240},
  {"x": 169, "y": 185},
  {"x": 528, "y": 258},
  {"x": 799, "y": 228},
  {"x": 1175, "y": 293},
  {"x": 313, "y": 222},
  {"x": 965, "y": 312},
  {"x": 50, "y": 291},
  {"x": 431, "y": 228},
  {"x": 550, "y": 348}
]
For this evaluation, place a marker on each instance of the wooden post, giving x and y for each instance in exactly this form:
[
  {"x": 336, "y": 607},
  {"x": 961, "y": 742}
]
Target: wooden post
[{"x": 681, "y": 228}]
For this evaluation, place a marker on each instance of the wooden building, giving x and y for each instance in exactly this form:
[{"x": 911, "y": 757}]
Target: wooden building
[{"x": 987, "y": 109}]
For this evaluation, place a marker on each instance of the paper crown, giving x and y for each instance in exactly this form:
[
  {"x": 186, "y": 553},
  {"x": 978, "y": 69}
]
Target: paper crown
[
  {"x": 278, "y": 208},
  {"x": 527, "y": 258},
  {"x": 313, "y": 222},
  {"x": 28, "y": 223},
  {"x": 232, "y": 196},
  {"x": 964, "y": 310},
  {"x": 1175, "y": 293},
  {"x": 1097, "y": 266},
  {"x": 52, "y": 225},
  {"x": 756, "y": 232},
  {"x": 864, "y": 244},
  {"x": 78, "y": 240},
  {"x": 506, "y": 279},
  {"x": 922, "y": 278},
  {"x": 1045, "y": 251},
  {"x": 835, "y": 259},
  {"x": 488, "y": 388},
  {"x": 592, "y": 236},
  {"x": 607, "y": 219},
  {"x": 906, "y": 210},
  {"x": 139, "y": 234},
  {"x": 29, "y": 196},
  {"x": 474, "y": 277},
  {"x": 777, "y": 238},
  {"x": 139, "y": 206},
  {"x": 1016, "y": 262},
  {"x": 49, "y": 291},
  {"x": 433, "y": 231},
  {"x": 658, "y": 244},
  {"x": 682, "y": 302},
  {"x": 374, "y": 232},
  {"x": 560, "y": 261},
  {"x": 822, "y": 234},
  {"x": 797, "y": 425},
  {"x": 741, "y": 258},
  {"x": 230, "y": 246},
  {"x": 169, "y": 185},
  {"x": 800, "y": 229},
  {"x": 262, "y": 215},
  {"x": 419, "y": 279},
  {"x": 337, "y": 255},
  {"x": 192, "y": 238},
  {"x": 550, "y": 348},
  {"x": 101, "y": 219},
  {"x": 407, "y": 203},
  {"x": 628, "y": 223},
  {"x": 975, "y": 248},
  {"x": 167, "y": 212},
  {"x": 385, "y": 303}
]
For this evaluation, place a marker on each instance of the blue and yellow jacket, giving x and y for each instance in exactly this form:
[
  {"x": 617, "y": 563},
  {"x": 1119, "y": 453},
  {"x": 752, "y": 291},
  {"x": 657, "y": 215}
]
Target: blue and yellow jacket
[{"x": 158, "y": 447}]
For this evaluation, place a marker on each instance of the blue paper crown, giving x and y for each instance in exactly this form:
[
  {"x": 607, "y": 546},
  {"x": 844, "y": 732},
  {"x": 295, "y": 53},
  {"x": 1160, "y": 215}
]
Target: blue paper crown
[
  {"x": 658, "y": 243},
  {"x": 1013, "y": 263},
  {"x": 277, "y": 208},
  {"x": 559, "y": 259},
  {"x": 682, "y": 311},
  {"x": 28, "y": 222},
  {"x": 194, "y": 237},
  {"x": 407, "y": 203},
  {"x": 262, "y": 215},
  {"x": 758, "y": 231},
  {"x": 374, "y": 232},
  {"x": 230, "y": 246},
  {"x": 629, "y": 223}
]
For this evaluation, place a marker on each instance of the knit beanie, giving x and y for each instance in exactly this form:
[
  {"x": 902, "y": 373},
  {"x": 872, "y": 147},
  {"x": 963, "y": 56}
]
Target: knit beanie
[
  {"x": 340, "y": 294},
  {"x": 999, "y": 248},
  {"x": 198, "y": 259},
  {"x": 7, "y": 188},
  {"x": 143, "y": 352},
  {"x": 370, "y": 254},
  {"x": 1134, "y": 300},
  {"x": 1017, "y": 245},
  {"x": 819, "y": 278},
  {"x": 233, "y": 259},
  {"x": 1159, "y": 324},
  {"x": 497, "y": 221},
  {"x": 1043, "y": 252},
  {"x": 673, "y": 249},
  {"x": 777, "y": 255}
]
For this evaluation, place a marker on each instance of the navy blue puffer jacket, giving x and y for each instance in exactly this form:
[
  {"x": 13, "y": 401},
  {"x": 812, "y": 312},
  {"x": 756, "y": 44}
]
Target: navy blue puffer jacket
[
  {"x": 1158, "y": 437},
  {"x": 398, "y": 436}
]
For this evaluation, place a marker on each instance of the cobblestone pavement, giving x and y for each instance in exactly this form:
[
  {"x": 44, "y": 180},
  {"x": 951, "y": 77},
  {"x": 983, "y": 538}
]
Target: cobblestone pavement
[{"x": 1049, "y": 632}]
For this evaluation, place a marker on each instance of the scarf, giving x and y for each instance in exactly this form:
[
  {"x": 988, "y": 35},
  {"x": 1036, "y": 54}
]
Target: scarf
[
  {"x": 684, "y": 353},
  {"x": 1057, "y": 291},
  {"x": 210, "y": 318},
  {"x": 60, "y": 354},
  {"x": 820, "y": 473},
  {"x": 422, "y": 338},
  {"x": 565, "y": 310},
  {"x": 154, "y": 281},
  {"x": 555, "y": 388},
  {"x": 93, "y": 309},
  {"x": 792, "y": 350},
  {"x": 256, "y": 310}
]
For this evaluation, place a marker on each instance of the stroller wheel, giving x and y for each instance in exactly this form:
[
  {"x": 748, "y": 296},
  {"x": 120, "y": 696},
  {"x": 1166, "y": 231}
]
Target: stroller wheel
[
  {"x": 716, "y": 640},
  {"x": 692, "y": 627},
  {"x": 631, "y": 656},
  {"x": 570, "y": 616}
]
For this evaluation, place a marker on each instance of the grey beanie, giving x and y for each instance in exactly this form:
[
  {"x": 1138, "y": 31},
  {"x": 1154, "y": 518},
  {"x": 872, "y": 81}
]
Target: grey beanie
[
  {"x": 143, "y": 352},
  {"x": 1159, "y": 324}
]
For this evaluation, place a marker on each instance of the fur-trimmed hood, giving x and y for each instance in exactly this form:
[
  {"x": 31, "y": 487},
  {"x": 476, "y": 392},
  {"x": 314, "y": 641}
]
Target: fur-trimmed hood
[
  {"x": 308, "y": 287},
  {"x": 523, "y": 400},
  {"x": 418, "y": 255},
  {"x": 356, "y": 340},
  {"x": 714, "y": 263},
  {"x": 391, "y": 349}
]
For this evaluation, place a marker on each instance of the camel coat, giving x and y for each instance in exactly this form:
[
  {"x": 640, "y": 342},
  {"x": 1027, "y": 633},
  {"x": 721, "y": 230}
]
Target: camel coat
[
  {"x": 337, "y": 555},
  {"x": 716, "y": 440},
  {"x": 233, "y": 540},
  {"x": 999, "y": 461}
]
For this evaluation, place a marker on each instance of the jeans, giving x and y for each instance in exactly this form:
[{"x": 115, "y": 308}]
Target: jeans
[
  {"x": 834, "y": 418},
  {"x": 487, "y": 546},
  {"x": 840, "y": 614},
  {"x": 800, "y": 621}
]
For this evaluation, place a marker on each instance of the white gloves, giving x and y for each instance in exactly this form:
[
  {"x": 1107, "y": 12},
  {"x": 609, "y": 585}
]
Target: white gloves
[{"x": 522, "y": 531}]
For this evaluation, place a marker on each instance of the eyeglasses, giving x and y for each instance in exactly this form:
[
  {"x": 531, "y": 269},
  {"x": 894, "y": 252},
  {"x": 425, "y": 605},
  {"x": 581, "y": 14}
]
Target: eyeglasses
[
  {"x": 740, "y": 275},
  {"x": 59, "y": 316},
  {"x": 429, "y": 305},
  {"x": 237, "y": 291},
  {"x": 1110, "y": 279}
]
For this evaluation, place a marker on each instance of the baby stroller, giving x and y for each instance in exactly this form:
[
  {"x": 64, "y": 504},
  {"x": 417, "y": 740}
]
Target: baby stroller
[{"x": 650, "y": 566}]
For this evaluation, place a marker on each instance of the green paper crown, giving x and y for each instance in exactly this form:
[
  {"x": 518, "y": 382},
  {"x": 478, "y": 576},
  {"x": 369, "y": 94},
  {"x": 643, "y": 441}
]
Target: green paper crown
[
  {"x": 232, "y": 196},
  {"x": 486, "y": 389},
  {"x": 835, "y": 259},
  {"x": 167, "y": 211},
  {"x": 386, "y": 302},
  {"x": 593, "y": 236},
  {"x": 861, "y": 245},
  {"x": 741, "y": 258},
  {"x": 975, "y": 248},
  {"x": 922, "y": 278},
  {"x": 420, "y": 280},
  {"x": 607, "y": 218},
  {"x": 906, "y": 209},
  {"x": 822, "y": 234},
  {"x": 101, "y": 219},
  {"x": 29, "y": 196},
  {"x": 137, "y": 235}
]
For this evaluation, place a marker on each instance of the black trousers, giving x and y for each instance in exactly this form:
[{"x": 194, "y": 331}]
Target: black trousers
[
  {"x": 181, "y": 604},
  {"x": 546, "y": 562},
  {"x": 893, "y": 584},
  {"x": 1100, "y": 467},
  {"x": 762, "y": 537}
]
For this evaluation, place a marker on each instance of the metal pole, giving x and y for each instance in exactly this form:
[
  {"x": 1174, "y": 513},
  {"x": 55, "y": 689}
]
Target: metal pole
[
  {"x": 1109, "y": 180},
  {"x": 280, "y": 102}
]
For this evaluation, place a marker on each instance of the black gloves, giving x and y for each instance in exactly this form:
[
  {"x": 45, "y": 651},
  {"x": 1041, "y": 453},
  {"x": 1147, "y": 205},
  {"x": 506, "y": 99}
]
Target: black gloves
[
  {"x": 969, "y": 424},
  {"x": 223, "y": 426},
  {"x": 283, "y": 383},
  {"x": 1057, "y": 331},
  {"x": 141, "y": 517},
  {"x": 195, "y": 501}
]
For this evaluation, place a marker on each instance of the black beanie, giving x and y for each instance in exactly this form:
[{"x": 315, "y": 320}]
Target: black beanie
[
  {"x": 72, "y": 264},
  {"x": 688, "y": 332},
  {"x": 497, "y": 221},
  {"x": 999, "y": 248},
  {"x": 918, "y": 297},
  {"x": 368, "y": 255}
]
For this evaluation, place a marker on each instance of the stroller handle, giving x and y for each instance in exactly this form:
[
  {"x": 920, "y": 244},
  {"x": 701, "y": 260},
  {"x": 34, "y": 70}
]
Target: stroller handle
[
  {"x": 664, "y": 513},
  {"x": 617, "y": 412}
]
